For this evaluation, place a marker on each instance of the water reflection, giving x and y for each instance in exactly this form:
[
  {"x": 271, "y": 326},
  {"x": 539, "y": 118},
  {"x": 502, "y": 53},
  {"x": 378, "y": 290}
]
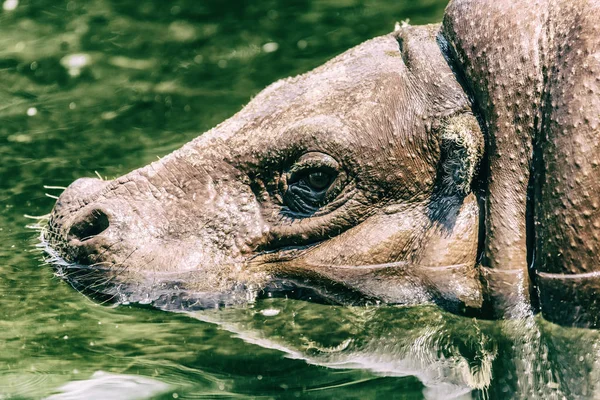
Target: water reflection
[
  {"x": 453, "y": 357},
  {"x": 102, "y": 385},
  {"x": 279, "y": 347},
  {"x": 404, "y": 348}
]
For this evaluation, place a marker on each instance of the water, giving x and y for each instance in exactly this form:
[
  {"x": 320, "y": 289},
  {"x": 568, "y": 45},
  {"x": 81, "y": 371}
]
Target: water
[{"x": 108, "y": 86}]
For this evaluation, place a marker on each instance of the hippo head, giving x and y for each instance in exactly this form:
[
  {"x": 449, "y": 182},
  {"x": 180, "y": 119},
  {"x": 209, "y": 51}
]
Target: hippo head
[{"x": 351, "y": 183}]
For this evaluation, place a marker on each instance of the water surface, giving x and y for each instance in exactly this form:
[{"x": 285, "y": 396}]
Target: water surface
[{"x": 104, "y": 87}]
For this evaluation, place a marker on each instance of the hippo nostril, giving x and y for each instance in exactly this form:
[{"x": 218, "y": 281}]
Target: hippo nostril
[{"x": 91, "y": 225}]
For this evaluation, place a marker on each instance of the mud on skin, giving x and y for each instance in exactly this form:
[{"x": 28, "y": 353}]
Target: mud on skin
[{"x": 398, "y": 172}]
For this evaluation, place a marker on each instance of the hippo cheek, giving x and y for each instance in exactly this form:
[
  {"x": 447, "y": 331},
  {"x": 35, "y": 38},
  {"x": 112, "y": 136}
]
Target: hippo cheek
[{"x": 402, "y": 256}]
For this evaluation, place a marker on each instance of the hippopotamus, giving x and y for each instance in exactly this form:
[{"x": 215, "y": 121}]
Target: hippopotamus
[{"x": 453, "y": 163}]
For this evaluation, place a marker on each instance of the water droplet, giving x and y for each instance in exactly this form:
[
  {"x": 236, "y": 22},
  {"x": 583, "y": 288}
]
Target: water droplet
[
  {"x": 10, "y": 5},
  {"x": 270, "y": 47},
  {"x": 270, "y": 312},
  {"x": 74, "y": 63}
]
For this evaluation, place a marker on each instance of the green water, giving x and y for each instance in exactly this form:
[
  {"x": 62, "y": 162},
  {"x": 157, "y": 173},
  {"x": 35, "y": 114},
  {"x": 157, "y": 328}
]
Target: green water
[{"x": 108, "y": 86}]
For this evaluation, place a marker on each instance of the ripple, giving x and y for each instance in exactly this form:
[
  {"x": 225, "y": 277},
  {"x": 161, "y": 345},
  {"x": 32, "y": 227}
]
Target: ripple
[{"x": 27, "y": 384}]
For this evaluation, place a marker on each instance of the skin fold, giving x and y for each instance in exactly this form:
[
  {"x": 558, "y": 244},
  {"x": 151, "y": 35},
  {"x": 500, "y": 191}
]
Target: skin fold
[
  {"x": 533, "y": 71},
  {"x": 441, "y": 163}
]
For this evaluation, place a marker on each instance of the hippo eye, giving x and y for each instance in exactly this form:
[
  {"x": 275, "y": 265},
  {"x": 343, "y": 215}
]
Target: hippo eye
[
  {"x": 318, "y": 180},
  {"x": 309, "y": 183}
]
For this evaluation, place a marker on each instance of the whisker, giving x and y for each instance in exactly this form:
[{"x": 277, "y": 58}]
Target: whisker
[
  {"x": 107, "y": 248},
  {"x": 51, "y": 196},
  {"x": 37, "y": 217},
  {"x": 122, "y": 267},
  {"x": 81, "y": 275},
  {"x": 99, "y": 283},
  {"x": 110, "y": 299},
  {"x": 94, "y": 266},
  {"x": 35, "y": 227},
  {"x": 55, "y": 187},
  {"x": 130, "y": 254}
]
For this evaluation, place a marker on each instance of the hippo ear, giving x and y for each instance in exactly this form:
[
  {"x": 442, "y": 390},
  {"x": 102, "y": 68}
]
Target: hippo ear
[{"x": 462, "y": 146}]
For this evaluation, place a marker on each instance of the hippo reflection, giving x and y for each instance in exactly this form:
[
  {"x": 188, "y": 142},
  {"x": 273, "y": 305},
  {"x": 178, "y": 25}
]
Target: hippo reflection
[{"x": 453, "y": 163}]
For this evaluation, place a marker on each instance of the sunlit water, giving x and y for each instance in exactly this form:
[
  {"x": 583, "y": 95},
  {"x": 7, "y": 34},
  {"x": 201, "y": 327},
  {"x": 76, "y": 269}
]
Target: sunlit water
[{"x": 109, "y": 86}]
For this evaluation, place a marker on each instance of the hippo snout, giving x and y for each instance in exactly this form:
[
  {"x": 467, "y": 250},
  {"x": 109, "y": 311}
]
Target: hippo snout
[{"x": 77, "y": 222}]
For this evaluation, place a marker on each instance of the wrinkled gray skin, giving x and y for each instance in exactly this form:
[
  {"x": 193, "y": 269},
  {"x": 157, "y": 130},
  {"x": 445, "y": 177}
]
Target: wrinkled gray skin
[{"x": 394, "y": 127}]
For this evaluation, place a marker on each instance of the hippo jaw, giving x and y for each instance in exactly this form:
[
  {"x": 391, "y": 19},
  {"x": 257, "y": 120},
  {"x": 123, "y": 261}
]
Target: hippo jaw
[{"x": 352, "y": 181}]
